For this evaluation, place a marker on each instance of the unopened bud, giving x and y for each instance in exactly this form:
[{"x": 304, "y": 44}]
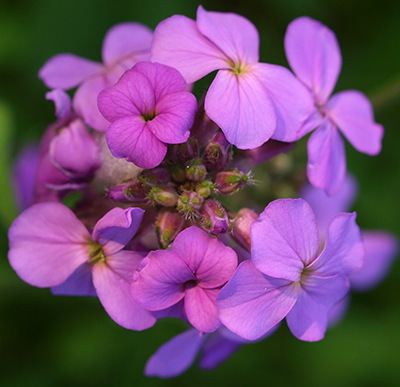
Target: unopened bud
[
  {"x": 182, "y": 153},
  {"x": 205, "y": 188},
  {"x": 164, "y": 196},
  {"x": 131, "y": 191},
  {"x": 195, "y": 170},
  {"x": 178, "y": 173},
  {"x": 229, "y": 182},
  {"x": 189, "y": 204},
  {"x": 156, "y": 176},
  {"x": 214, "y": 218},
  {"x": 218, "y": 153},
  {"x": 241, "y": 227},
  {"x": 168, "y": 224}
]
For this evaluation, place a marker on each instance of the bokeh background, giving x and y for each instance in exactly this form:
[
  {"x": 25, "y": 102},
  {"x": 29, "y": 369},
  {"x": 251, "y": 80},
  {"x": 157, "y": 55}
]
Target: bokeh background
[{"x": 61, "y": 341}]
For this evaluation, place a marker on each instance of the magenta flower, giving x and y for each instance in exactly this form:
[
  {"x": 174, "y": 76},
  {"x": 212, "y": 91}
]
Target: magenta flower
[
  {"x": 314, "y": 55},
  {"x": 148, "y": 108},
  {"x": 381, "y": 248},
  {"x": 192, "y": 272},
  {"x": 124, "y": 45},
  {"x": 287, "y": 277},
  {"x": 69, "y": 155},
  {"x": 250, "y": 101},
  {"x": 50, "y": 247}
]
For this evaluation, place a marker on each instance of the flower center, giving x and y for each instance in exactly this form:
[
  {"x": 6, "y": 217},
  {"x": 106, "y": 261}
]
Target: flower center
[
  {"x": 96, "y": 253},
  {"x": 148, "y": 116}
]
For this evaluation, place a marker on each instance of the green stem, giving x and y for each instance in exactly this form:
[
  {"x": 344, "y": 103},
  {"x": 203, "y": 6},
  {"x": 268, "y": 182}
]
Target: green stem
[{"x": 386, "y": 95}]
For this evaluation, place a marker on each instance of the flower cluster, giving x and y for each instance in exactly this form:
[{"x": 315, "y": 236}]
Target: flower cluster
[{"x": 128, "y": 196}]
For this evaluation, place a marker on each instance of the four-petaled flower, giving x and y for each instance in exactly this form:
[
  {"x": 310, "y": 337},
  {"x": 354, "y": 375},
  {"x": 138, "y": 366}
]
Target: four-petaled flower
[
  {"x": 314, "y": 55},
  {"x": 148, "y": 108},
  {"x": 287, "y": 277}
]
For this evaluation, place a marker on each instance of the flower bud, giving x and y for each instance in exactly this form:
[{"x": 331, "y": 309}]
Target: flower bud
[
  {"x": 229, "y": 182},
  {"x": 214, "y": 218},
  {"x": 189, "y": 204},
  {"x": 217, "y": 153},
  {"x": 156, "y": 176},
  {"x": 182, "y": 153},
  {"x": 195, "y": 170},
  {"x": 131, "y": 191},
  {"x": 164, "y": 196},
  {"x": 241, "y": 227},
  {"x": 178, "y": 173},
  {"x": 205, "y": 188},
  {"x": 168, "y": 225}
]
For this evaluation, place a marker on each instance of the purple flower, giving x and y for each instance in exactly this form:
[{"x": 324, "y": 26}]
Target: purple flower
[
  {"x": 178, "y": 354},
  {"x": 192, "y": 272},
  {"x": 148, "y": 108},
  {"x": 287, "y": 276},
  {"x": 124, "y": 45},
  {"x": 50, "y": 247},
  {"x": 381, "y": 247},
  {"x": 69, "y": 155},
  {"x": 314, "y": 55},
  {"x": 248, "y": 100}
]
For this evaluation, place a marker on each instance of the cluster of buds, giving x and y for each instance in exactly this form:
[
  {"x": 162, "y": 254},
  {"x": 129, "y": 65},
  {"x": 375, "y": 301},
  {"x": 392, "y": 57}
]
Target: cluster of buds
[{"x": 185, "y": 187}]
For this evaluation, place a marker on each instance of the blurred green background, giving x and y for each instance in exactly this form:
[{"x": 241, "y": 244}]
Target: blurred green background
[{"x": 61, "y": 341}]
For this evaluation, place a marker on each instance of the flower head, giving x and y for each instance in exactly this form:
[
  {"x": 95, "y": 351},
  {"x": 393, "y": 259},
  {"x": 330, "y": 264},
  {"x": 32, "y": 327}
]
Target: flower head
[
  {"x": 248, "y": 100},
  {"x": 50, "y": 247},
  {"x": 148, "y": 108},
  {"x": 193, "y": 272},
  {"x": 314, "y": 55},
  {"x": 287, "y": 277}
]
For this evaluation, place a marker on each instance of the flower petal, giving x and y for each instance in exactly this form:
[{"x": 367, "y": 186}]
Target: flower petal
[
  {"x": 212, "y": 262},
  {"x": 292, "y": 101},
  {"x": 85, "y": 102},
  {"x": 381, "y": 248},
  {"x": 217, "y": 349},
  {"x": 65, "y": 71},
  {"x": 126, "y": 39},
  {"x": 201, "y": 308},
  {"x": 47, "y": 243},
  {"x": 308, "y": 318},
  {"x": 160, "y": 281},
  {"x": 284, "y": 239},
  {"x": 326, "y": 207},
  {"x": 175, "y": 356},
  {"x": 313, "y": 53},
  {"x": 133, "y": 95},
  {"x": 129, "y": 138},
  {"x": 115, "y": 295},
  {"x": 344, "y": 249},
  {"x": 116, "y": 228},
  {"x": 326, "y": 168},
  {"x": 164, "y": 80},
  {"x": 352, "y": 112},
  {"x": 233, "y": 34},
  {"x": 251, "y": 303},
  {"x": 241, "y": 106},
  {"x": 62, "y": 102},
  {"x": 79, "y": 283},
  {"x": 178, "y": 43},
  {"x": 75, "y": 152},
  {"x": 175, "y": 116}
]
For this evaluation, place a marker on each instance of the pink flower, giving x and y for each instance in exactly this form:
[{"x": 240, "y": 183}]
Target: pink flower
[
  {"x": 314, "y": 55},
  {"x": 124, "y": 45},
  {"x": 148, "y": 108},
  {"x": 250, "y": 101}
]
